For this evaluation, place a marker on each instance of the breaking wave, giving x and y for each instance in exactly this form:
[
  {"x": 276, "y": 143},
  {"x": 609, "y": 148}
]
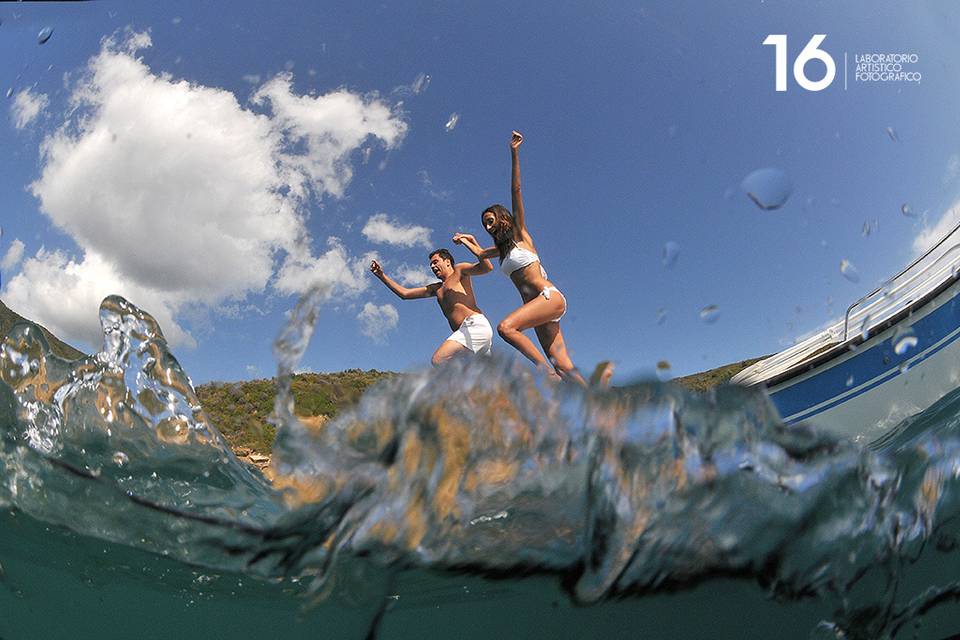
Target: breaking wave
[{"x": 482, "y": 473}]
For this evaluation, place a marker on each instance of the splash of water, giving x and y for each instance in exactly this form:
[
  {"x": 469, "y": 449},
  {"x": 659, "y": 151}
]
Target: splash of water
[{"x": 482, "y": 466}]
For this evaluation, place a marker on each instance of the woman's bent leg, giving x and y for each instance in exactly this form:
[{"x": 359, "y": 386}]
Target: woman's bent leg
[
  {"x": 536, "y": 312},
  {"x": 551, "y": 339}
]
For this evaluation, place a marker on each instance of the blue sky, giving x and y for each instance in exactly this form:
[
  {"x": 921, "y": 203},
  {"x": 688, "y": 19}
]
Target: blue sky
[{"x": 199, "y": 157}]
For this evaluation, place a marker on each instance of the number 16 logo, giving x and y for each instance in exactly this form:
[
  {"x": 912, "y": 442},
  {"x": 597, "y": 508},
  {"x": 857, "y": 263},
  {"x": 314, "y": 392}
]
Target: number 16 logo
[{"x": 810, "y": 52}]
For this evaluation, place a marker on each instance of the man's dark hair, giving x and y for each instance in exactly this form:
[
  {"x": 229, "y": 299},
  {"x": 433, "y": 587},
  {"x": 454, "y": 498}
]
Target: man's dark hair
[{"x": 444, "y": 255}]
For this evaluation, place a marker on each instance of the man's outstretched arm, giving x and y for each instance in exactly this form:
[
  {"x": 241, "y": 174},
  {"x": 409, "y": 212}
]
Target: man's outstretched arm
[{"x": 402, "y": 292}]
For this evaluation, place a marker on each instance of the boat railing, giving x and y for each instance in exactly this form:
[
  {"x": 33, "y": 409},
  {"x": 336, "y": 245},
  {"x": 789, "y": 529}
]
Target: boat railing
[
  {"x": 897, "y": 293},
  {"x": 890, "y": 292}
]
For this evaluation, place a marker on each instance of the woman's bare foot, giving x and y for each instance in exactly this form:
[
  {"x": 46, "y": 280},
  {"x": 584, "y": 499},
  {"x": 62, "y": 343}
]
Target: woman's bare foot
[{"x": 602, "y": 374}]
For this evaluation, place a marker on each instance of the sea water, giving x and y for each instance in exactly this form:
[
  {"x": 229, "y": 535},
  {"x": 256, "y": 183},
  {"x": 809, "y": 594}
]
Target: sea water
[{"x": 472, "y": 501}]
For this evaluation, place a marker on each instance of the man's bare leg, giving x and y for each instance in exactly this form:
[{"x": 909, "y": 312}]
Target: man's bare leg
[{"x": 448, "y": 349}]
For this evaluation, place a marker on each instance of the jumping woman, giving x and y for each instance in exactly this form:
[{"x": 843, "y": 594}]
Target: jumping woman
[{"x": 543, "y": 304}]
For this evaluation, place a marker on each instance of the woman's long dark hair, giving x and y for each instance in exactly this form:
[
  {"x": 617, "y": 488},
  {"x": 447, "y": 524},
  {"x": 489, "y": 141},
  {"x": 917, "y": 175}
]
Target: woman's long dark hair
[{"x": 502, "y": 228}]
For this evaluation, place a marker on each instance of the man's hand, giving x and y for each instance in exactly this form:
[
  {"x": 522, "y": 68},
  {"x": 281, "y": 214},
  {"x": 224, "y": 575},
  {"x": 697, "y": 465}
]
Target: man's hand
[
  {"x": 516, "y": 139},
  {"x": 376, "y": 269}
]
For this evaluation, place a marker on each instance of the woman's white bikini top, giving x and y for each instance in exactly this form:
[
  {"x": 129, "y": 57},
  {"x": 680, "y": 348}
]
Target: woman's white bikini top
[{"x": 518, "y": 258}]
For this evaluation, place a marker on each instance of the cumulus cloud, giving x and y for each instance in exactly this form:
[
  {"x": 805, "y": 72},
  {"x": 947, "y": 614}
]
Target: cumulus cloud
[
  {"x": 13, "y": 256},
  {"x": 410, "y": 276},
  {"x": 26, "y": 107},
  {"x": 377, "y": 321},
  {"x": 176, "y": 194},
  {"x": 334, "y": 269},
  {"x": 384, "y": 230},
  {"x": 64, "y": 294},
  {"x": 331, "y": 126}
]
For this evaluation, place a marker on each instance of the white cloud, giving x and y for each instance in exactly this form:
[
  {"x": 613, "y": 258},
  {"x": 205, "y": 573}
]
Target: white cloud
[
  {"x": 930, "y": 235},
  {"x": 176, "y": 194},
  {"x": 64, "y": 295},
  {"x": 377, "y": 321},
  {"x": 381, "y": 229},
  {"x": 26, "y": 107},
  {"x": 331, "y": 126},
  {"x": 335, "y": 268},
  {"x": 13, "y": 256},
  {"x": 410, "y": 276}
]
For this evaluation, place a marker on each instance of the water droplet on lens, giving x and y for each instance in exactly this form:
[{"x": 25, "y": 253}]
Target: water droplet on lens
[
  {"x": 661, "y": 315},
  {"x": 9, "y": 92},
  {"x": 120, "y": 458},
  {"x": 672, "y": 131},
  {"x": 671, "y": 250},
  {"x": 176, "y": 20},
  {"x": 663, "y": 370},
  {"x": 850, "y": 381},
  {"x": 866, "y": 229},
  {"x": 907, "y": 211},
  {"x": 420, "y": 84},
  {"x": 710, "y": 313},
  {"x": 44, "y": 35},
  {"x": 452, "y": 121},
  {"x": 849, "y": 271},
  {"x": 893, "y": 134},
  {"x": 903, "y": 341},
  {"x": 768, "y": 188}
]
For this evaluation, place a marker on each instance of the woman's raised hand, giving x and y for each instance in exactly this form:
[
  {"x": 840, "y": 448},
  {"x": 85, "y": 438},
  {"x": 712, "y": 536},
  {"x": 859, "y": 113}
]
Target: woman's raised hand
[
  {"x": 376, "y": 269},
  {"x": 458, "y": 238},
  {"x": 516, "y": 139}
]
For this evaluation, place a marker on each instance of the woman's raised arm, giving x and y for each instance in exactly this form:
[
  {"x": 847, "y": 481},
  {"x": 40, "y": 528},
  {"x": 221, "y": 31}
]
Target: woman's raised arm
[{"x": 516, "y": 197}]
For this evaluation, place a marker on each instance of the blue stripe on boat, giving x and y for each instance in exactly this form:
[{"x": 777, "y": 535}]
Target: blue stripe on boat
[{"x": 877, "y": 364}]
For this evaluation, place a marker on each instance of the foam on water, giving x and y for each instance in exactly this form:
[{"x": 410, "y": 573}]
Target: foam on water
[{"x": 482, "y": 467}]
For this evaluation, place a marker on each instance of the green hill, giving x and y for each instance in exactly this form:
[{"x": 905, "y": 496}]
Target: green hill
[
  {"x": 8, "y": 318},
  {"x": 713, "y": 377},
  {"x": 240, "y": 409}
]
